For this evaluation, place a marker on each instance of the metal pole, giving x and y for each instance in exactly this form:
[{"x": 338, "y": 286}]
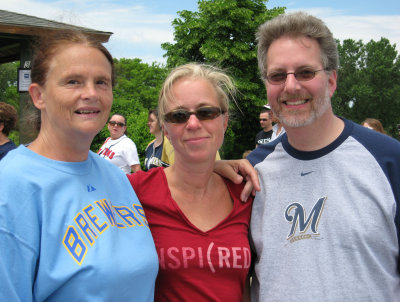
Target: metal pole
[{"x": 27, "y": 129}]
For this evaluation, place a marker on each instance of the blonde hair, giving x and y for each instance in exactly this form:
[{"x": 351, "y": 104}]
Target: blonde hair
[{"x": 221, "y": 82}]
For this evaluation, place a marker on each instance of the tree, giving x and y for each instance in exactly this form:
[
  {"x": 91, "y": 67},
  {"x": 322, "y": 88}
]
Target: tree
[
  {"x": 8, "y": 84},
  {"x": 8, "y": 90},
  {"x": 222, "y": 33},
  {"x": 368, "y": 82},
  {"x": 139, "y": 81}
]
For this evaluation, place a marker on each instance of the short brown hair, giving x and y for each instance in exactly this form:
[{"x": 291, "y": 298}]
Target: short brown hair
[
  {"x": 375, "y": 124},
  {"x": 8, "y": 117},
  {"x": 46, "y": 47}
]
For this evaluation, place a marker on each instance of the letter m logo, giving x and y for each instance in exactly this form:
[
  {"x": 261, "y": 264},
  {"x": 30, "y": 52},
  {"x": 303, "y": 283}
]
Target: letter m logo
[{"x": 298, "y": 217}]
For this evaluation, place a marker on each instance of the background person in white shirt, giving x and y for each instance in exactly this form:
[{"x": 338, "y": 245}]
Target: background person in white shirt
[{"x": 118, "y": 148}]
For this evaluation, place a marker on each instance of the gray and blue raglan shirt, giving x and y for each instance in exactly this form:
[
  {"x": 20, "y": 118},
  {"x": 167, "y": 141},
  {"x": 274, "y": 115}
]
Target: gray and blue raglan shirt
[{"x": 325, "y": 226}]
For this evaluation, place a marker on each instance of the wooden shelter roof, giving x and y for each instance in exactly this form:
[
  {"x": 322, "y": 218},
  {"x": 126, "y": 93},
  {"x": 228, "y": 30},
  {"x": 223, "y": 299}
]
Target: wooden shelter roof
[{"x": 15, "y": 28}]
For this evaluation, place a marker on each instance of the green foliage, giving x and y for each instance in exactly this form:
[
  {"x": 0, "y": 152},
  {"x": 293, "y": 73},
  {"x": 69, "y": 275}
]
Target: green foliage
[
  {"x": 8, "y": 90},
  {"x": 222, "y": 33},
  {"x": 138, "y": 81},
  {"x": 369, "y": 83},
  {"x": 139, "y": 133},
  {"x": 8, "y": 84},
  {"x": 14, "y": 136}
]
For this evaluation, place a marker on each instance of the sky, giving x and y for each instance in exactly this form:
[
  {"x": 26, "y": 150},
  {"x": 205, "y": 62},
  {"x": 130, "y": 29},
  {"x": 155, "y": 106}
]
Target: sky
[{"x": 139, "y": 27}]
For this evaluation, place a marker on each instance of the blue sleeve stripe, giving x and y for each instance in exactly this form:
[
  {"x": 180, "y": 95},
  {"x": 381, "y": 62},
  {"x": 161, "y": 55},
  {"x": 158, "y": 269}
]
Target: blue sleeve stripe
[
  {"x": 262, "y": 151},
  {"x": 386, "y": 151}
]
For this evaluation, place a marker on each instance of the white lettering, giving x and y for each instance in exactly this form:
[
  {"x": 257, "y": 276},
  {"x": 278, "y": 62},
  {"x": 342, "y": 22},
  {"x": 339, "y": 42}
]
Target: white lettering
[
  {"x": 247, "y": 257},
  {"x": 200, "y": 253},
  {"x": 236, "y": 257},
  {"x": 173, "y": 258},
  {"x": 222, "y": 257},
  {"x": 209, "y": 257},
  {"x": 186, "y": 256}
]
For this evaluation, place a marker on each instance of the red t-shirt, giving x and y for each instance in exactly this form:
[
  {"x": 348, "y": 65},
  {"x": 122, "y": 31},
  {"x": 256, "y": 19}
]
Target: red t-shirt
[{"x": 195, "y": 265}]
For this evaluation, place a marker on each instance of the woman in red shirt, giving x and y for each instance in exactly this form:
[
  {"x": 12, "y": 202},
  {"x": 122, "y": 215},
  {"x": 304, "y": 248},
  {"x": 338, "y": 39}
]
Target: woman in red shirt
[{"x": 199, "y": 225}]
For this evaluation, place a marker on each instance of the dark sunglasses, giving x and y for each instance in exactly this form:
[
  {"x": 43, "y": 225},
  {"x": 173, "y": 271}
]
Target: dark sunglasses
[
  {"x": 203, "y": 113},
  {"x": 119, "y": 124},
  {"x": 277, "y": 78},
  {"x": 263, "y": 120}
]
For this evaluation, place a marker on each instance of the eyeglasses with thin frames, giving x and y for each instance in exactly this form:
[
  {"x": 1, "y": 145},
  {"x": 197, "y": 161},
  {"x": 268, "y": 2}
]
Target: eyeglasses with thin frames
[{"x": 278, "y": 78}]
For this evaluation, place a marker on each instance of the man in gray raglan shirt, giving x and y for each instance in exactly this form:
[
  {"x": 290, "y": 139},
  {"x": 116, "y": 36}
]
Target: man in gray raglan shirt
[{"x": 325, "y": 225}]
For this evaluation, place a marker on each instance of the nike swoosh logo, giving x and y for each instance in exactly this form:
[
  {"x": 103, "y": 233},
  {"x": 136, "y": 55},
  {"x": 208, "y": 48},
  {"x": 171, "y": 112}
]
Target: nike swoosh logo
[{"x": 305, "y": 173}]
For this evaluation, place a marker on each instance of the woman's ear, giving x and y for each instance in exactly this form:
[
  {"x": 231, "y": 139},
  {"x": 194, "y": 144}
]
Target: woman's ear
[
  {"x": 164, "y": 130},
  {"x": 36, "y": 93},
  {"x": 226, "y": 119}
]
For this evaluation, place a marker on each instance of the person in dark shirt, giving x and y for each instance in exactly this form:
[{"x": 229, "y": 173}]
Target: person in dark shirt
[
  {"x": 264, "y": 136},
  {"x": 155, "y": 151}
]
